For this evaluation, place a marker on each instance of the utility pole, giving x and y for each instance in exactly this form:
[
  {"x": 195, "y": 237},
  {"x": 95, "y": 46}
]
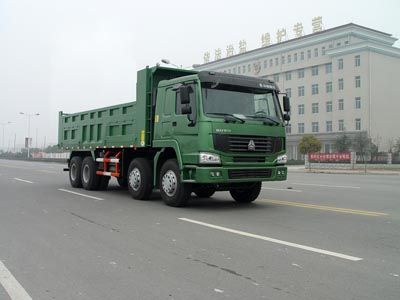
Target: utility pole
[{"x": 29, "y": 128}]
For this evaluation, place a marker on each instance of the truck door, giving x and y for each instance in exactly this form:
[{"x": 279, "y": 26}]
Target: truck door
[{"x": 181, "y": 126}]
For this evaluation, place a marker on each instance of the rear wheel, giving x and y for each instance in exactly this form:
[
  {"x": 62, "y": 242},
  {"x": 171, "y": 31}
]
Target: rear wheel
[
  {"x": 90, "y": 180},
  {"x": 172, "y": 190},
  {"x": 140, "y": 179},
  {"x": 246, "y": 194},
  {"x": 75, "y": 166}
]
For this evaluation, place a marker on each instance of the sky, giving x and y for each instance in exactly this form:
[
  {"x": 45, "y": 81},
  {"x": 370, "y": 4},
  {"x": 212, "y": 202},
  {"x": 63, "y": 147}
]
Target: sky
[{"x": 73, "y": 55}]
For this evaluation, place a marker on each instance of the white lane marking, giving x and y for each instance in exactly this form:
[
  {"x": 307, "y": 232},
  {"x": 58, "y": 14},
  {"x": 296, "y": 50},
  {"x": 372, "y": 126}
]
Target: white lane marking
[
  {"x": 265, "y": 238},
  {"x": 79, "y": 194},
  {"x": 22, "y": 180},
  {"x": 11, "y": 285},
  {"x": 327, "y": 185},
  {"x": 286, "y": 190}
]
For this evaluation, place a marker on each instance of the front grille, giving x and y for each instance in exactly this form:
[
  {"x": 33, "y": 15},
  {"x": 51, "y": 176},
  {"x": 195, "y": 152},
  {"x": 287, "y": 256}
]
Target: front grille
[
  {"x": 248, "y": 159},
  {"x": 247, "y": 143},
  {"x": 249, "y": 173}
]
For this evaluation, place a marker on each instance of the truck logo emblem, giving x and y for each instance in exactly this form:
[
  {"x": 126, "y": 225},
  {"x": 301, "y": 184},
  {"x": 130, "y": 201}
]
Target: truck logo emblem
[{"x": 251, "y": 146}]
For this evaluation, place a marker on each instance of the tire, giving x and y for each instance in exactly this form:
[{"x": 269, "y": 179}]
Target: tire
[
  {"x": 204, "y": 191},
  {"x": 246, "y": 194},
  {"x": 172, "y": 190},
  {"x": 103, "y": 182},
  {"x": 90, "y": 180},
  {"x": 123, "y": 182},
  {"x": 75, "y": 167},
  {"x": 140, "y": 179}
]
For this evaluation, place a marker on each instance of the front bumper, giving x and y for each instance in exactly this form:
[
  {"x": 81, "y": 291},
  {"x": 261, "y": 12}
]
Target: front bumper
[{"x": 222, "y": 174}]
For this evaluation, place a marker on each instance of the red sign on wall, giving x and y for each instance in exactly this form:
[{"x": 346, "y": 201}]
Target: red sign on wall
[{"x": 330, "y": 157}]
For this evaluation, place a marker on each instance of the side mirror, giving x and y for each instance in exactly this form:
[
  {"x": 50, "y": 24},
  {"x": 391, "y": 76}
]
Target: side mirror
[
  {"x": 286, "y": 117},
  {"x": 186, "y": 110},
  {"x": 286, "y": 104},
  {"x": 184, "y": 92}
]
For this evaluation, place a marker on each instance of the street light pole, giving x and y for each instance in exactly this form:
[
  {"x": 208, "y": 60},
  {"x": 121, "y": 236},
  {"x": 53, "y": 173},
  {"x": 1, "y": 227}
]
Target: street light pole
[
  {"x": 29, "y": 127},
  {"x": 4, "y": 125}
]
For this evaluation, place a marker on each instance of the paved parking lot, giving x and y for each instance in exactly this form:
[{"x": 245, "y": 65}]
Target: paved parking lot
[{"x": 316, "y": 236}]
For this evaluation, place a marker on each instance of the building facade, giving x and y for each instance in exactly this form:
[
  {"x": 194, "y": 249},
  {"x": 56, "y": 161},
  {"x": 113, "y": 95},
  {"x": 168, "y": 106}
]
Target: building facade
[{"x": 343, "y": 79}]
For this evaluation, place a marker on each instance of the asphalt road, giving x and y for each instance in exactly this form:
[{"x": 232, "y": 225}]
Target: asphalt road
[{"x": 316, "y": 236}]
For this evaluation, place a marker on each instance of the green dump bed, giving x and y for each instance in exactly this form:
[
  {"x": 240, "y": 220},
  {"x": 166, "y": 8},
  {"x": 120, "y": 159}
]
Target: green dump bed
[
  {"x": 123, "y": 125},
  {"x": 109, "y": 126}
]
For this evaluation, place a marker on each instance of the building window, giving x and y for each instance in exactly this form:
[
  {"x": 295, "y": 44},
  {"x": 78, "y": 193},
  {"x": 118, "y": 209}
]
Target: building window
[
  {"x": 340, "y": 64},
  {"x": 300, "y": 127},
  {"x": 239, "y": 68},
  {"x": 358, "y": 102},
  {"x": 323, "y": 50},
  {"x": 341, "y": 125},
  {"x": 341, "y": 104},
  {"x": 288, "y": 75},
  {"x": 302, "y": 55},
  {"x": 300, "y": 73},
  {"x": 289, "y": 58},
  {"x": 271, "y": 62},
  {"x": 338, "y": 44},
  {"x": 328, "y": 148},
  {"x": 289, "y": 128},
  {"x": 289, "y": 92},
  {"x": 300, "y": 109},
  {"x": 328, "y": 106},
  {"x": 328, "y": 68},
  {"x": 358, "y": 81},
  {"x": 328, "y": 126},
  {"x": 346, "y": 42},
  {"x": 265, "y": 64},
  {"x": 282, "y": 60},
  {"x": 316, "y": 52},
  {"x": 276, "y": 61},
  {"x": 249, "y": 68},
  {"x": 314, "y": 89},
  {"x": 314, "y": 108},
  {"x": 308, "y": 54},
  {"x": 357, "y": 60},
  {"x": 329, "y": 87},
  {"x": 341, "y": 84},
  {"x": 276, "y": 77},
  {"x": 314, "y": 70},
  {"x": 295, "y": 57},
  {"x": 315, "y": 127},
  {"x": 301, "y": 91},
  {"x": 244, "y": 69},
  {"x": 358, "y": 124}
]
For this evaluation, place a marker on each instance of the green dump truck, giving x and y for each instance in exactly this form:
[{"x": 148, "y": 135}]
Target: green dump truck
[{"x": 188, "y": 131}]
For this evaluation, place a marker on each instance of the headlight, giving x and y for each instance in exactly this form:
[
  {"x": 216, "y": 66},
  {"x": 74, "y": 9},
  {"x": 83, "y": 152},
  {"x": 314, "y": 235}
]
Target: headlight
[
  {"x": 282, "y": 159},
  {"x": 209, "y": 158}
]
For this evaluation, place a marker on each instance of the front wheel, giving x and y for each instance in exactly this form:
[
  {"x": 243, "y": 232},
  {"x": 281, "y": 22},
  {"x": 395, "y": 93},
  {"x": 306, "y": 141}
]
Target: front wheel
[
  {"x": 172, "y": 190},
  {"x": 246, "y": 194},
  {"x": 140, "y": 179}
]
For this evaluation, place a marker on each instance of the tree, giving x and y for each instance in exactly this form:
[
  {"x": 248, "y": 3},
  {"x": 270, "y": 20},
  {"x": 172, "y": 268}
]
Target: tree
[
  {"x": 342, "y": 143},
  {"x": 309, "y": 144},
  {"x": 362, "y": 145}
]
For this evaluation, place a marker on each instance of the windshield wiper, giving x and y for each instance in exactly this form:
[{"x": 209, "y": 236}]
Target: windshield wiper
[
  {"x": 265, "y": 117},
  {"x": 227, "y": 116}
]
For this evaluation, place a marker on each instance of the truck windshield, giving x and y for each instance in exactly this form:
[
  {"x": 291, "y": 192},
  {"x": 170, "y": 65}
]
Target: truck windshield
[{"x": 240, "y": 101}]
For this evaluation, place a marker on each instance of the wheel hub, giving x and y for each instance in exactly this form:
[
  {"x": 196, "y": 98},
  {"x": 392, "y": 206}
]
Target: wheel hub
[
  {"x": 169, "y": 183},
  {"x": 135, "y": 179}
]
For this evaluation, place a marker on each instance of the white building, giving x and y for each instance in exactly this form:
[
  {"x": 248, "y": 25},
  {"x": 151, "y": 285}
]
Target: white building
[{"x": 340, "y": 79}]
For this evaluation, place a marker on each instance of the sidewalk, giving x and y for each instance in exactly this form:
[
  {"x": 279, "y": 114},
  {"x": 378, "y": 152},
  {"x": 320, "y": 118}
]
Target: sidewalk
[{"x": 302, "y": 169}]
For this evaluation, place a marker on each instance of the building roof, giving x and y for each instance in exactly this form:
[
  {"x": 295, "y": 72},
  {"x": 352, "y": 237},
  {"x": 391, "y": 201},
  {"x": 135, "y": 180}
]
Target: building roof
[{"x": 304, "y": 37}]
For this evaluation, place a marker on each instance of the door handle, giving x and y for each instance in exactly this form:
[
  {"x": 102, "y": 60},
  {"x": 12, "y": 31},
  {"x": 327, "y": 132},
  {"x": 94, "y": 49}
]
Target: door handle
[{"x": 173, "y": 123}]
